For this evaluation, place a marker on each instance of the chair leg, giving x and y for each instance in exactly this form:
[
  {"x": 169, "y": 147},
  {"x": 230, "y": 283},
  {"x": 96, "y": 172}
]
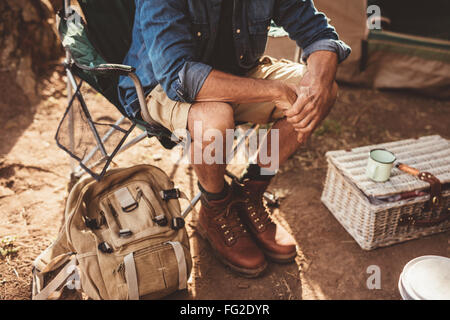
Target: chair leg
[
  {"x": 103, "y": 140},
  {"x": 192, "y": 204},
  {"x": 126, "y": 146}
]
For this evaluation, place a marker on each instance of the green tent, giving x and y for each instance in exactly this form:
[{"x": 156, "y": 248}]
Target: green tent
[{"x": 411, "y": 51}]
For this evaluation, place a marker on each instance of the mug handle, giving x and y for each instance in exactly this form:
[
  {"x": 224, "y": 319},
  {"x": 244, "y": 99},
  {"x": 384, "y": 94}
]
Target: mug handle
[{"x": 373, "y": 170}]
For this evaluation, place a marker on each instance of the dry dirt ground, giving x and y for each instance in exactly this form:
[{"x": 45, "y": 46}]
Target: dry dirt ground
[{"x": 34, "y": 176}]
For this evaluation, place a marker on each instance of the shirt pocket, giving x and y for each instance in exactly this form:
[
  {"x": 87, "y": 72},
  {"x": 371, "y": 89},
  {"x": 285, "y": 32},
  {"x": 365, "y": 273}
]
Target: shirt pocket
[
  {"x": 201, "y": 35},
  {"x": 260, "y": 10},
  {"x": 258, "y": 30}
]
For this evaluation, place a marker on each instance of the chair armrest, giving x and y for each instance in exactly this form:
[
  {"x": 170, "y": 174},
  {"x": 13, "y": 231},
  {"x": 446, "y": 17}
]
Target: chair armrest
[{"x": 108, "y": 69}]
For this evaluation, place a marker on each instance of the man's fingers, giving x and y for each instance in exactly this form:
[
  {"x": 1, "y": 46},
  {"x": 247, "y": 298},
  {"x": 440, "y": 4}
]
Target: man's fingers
[
  {"x": 306, "y": 111},
  {"x": 303, "y": 123},
  {"x": 302, "y": 137},
  {"x": 305, "y": 133},
  {"x": 314, "y": 104},
  {"x": 310, "y": 127},
  {"x": 298, "y": 106},
  {"x": 303, "y": 98}
]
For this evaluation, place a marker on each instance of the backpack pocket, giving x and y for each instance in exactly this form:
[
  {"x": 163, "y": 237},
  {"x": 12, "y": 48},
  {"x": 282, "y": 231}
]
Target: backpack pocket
[
  {"x": 133, "y": 213},
  {"x": 156, "y": 271}
]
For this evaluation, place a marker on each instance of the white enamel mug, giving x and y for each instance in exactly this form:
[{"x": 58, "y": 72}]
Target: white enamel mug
[{"x": 380, "y": 165}]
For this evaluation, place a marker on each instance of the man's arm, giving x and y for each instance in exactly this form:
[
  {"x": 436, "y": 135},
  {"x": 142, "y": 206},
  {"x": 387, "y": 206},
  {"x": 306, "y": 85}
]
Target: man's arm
[
  {"x": 170, "y": 48},
  {"x": 309, "y": 28},
  {"x": 322, "y": 51},
  {"x": 316, "y": 93},
  {"x": 169, "y": 44},
  {"x": 224, "y": 87}
]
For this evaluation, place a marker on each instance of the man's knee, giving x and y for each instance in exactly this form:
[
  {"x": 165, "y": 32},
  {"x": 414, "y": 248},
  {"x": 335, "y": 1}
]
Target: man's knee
[{"x": 210, "y": 115}]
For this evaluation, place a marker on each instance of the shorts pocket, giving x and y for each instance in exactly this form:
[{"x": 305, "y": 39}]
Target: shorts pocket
[{"x": 160, "y": 107}]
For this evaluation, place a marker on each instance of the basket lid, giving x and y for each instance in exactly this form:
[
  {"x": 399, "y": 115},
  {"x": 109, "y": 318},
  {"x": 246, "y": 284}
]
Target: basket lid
[
  {"x": 430, "y": 154},
  {"x": 426, "y": 278}
]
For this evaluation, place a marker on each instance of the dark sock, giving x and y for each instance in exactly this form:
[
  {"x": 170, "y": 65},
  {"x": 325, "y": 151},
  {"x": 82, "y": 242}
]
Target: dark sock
[
  {"x": 255, "y": 172},
  {"x": 215, "y": 196}
]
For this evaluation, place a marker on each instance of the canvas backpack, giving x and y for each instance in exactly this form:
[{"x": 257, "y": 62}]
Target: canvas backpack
[{"x": 123, "y": 238}]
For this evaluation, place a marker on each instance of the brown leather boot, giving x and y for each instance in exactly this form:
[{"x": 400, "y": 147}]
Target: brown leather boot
[
  {"x": 278, "y": 245},
  {"x": 228, "y": 237}
]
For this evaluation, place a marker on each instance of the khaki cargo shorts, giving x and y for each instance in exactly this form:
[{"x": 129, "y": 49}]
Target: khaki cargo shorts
[{"x": 174, "y": 115}]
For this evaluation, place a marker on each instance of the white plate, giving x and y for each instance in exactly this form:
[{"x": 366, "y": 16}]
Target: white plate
[
  {"x": 402, "y": 290},
  {"x": 406, "y": 289},
  {"x": 426, "y": 278}
]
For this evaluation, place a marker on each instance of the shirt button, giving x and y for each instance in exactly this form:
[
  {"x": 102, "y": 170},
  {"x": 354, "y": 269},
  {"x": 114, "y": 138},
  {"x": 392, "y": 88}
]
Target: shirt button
[
  {"x": 199, "y": 34},
  {"x": 238, "y": 31}
]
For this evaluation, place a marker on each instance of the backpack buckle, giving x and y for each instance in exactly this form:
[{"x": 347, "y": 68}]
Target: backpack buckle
[
  {"x": 161, "y": 220},
  {"x": 126, "y": 199},
  {"x": 170, "y": 194},
  {"x": 105, "y": 247},
  {"x": 125, "y": 233},
  {"x": 178, "y": 223},
  {"x": 91, "y": 223}
]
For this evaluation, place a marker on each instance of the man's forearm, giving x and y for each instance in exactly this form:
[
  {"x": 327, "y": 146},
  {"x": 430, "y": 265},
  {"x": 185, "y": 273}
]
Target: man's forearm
[
  {"x": 224, "y": 87},
  {"x": 322, "y": 67},
  {"x": 316, "y": 93}
]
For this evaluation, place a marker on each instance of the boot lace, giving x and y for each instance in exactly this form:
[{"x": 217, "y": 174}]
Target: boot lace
[
  {"x": 229, "y": 222},
  {"x": 258, "y": 212}
]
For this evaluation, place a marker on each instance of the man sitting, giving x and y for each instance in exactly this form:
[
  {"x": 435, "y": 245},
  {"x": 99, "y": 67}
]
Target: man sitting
[{"x": 201, "y": 62}]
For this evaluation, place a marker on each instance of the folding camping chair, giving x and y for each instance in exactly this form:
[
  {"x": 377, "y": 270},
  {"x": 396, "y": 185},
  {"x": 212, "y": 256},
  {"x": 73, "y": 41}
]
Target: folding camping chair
[{"x": 94, "y": 52}]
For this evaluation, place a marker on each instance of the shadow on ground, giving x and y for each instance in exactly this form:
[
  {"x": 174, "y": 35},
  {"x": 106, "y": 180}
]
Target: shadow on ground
[{"x": 16, "y": 111}]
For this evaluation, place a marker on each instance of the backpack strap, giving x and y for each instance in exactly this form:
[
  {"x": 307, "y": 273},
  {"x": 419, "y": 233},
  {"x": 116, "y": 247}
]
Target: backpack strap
[
  {"x": 131, "y": 277},
  {"x": 61, "y": 278},
  {"x": 181, "y": 260}
]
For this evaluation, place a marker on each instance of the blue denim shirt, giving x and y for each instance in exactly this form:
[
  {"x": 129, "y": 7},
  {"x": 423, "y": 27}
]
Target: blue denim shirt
[{"x": 173, "y": 41}]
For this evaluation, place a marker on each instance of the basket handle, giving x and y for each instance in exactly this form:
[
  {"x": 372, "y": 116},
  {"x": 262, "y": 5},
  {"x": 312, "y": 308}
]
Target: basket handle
[
  {"x": 406, "y": 219},
  {"x": 435, "y": 183}
]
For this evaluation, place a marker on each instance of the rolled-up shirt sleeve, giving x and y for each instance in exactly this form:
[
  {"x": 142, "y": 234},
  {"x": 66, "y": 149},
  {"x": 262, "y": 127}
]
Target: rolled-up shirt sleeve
[
  {"x": 309, "y": 28},
  {"x": 170, "y": 48},
  {"x": 341, "y": 48},
  {"x": 190, "y": 80}
]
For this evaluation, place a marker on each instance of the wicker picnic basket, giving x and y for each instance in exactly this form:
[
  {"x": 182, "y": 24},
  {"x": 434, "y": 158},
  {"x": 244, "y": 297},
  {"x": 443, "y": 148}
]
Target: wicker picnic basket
[{"x": 400, "y": 209}]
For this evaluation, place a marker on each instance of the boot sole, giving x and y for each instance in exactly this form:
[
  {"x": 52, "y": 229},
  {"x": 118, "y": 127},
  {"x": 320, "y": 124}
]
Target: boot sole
[
  {"x": 246, "y": 273},
  {"x": 280, "y": 258},
  {"x": 275, "y": 257}
]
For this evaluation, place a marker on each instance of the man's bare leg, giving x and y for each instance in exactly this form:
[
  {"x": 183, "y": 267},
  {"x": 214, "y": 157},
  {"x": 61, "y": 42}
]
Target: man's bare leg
[
  {"x": 218, "y": 218},
  {"x": 276, "y": 242},
  {"x": 288, "y": 136},
  {"x": 211, "y": 115}
]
